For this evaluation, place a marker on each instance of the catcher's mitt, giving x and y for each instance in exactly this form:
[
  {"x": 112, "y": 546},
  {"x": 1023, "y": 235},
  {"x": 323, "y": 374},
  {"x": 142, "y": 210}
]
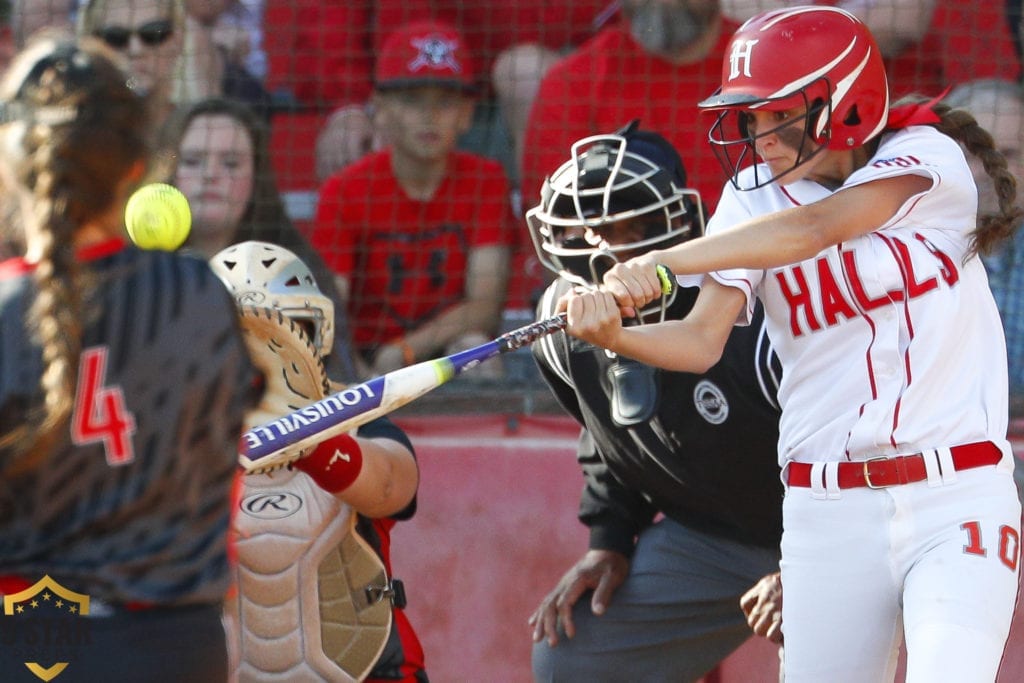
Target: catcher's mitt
[{"x": 293, "y": 372}]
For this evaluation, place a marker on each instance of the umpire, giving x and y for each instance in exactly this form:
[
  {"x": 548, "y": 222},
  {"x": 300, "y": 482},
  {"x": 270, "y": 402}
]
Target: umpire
[{"x": 682, "y": 493}]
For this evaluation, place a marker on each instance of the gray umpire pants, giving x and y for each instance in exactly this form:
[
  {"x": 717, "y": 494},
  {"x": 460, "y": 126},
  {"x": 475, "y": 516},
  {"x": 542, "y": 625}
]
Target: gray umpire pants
[{"x": 675, "y": 617}]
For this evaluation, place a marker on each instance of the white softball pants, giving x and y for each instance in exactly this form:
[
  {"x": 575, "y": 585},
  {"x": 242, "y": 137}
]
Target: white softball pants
[{"x": 934, "y": 565}]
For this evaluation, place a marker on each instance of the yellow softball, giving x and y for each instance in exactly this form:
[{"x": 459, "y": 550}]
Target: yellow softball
[{"x": 157, "y": 217}]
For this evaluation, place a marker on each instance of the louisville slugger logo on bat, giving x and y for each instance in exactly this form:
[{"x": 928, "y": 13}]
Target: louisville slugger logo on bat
[
  {"x": 265, "y": 447},
  {"x": 359, "y": 404},
  {"x": 375, "y": 396}
]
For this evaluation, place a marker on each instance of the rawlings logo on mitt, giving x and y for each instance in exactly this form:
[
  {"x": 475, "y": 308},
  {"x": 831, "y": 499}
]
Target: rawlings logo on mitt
[{"x": 292, "y": 368}]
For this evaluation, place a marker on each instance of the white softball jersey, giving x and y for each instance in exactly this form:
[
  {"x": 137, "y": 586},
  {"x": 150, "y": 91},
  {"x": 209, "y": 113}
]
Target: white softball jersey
[{"x": 890, "y": 343}]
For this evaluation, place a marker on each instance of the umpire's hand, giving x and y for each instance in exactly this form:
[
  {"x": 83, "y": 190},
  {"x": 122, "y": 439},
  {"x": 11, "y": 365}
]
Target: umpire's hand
[
  {"x": 602, "y": 571},
  {"x": 763, "y": 606}
]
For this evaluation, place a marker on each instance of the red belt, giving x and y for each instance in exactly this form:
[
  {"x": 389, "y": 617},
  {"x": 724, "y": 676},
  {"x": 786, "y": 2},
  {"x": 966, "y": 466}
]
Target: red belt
[{"x": 878, "y": 473}]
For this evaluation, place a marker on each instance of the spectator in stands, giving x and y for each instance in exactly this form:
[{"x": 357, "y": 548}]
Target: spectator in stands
[
  {"x": 663, "y": 599},
  {"x": 650, "y": 67},
  {"x": 215, "y": 151},
  {"x": 965, "y": 41},
  {"x": 328, "y": 59},
  {"x": 239, "y": 30},
  {"x": 417, "y": 233},
  {"x": 998, "y": 106},
  {"x": 927, "y": 44},
  {"x": 170, "y": 52},
  {"x": 211, "y": 68},
  {"x": 150, "y": 34}
]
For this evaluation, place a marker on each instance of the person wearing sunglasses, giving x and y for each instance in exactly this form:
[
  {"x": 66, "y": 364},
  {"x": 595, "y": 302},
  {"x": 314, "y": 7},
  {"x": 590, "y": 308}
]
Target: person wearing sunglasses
[
  {"x": 214, "y": 68},
  {"x": 171, "y": 52},
  {"x": 152, "y": 34},
  {"x": 149, "y": 33}
]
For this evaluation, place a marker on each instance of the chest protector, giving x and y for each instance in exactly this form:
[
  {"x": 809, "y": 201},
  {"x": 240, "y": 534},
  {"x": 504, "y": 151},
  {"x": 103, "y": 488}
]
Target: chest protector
[{"x": 309, "y": 603}]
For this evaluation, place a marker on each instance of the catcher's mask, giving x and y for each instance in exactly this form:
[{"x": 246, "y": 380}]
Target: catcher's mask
[
  {"x": 838, "y": 77},
  {"x": 269, "y": 276},
  {"x": 630, "y": 180}
]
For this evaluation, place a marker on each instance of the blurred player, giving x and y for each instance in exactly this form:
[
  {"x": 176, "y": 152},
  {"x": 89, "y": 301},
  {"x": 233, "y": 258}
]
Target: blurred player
[
  {"x": 316, "y": 597},
  {"x": 123, "y": 385},
  {"x": 858, "y": 232},
  {"x": 659, "y": 599}
]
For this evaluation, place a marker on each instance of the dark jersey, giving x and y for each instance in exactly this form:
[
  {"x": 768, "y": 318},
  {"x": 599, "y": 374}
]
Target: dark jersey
[
  {"x": 133, "y": 502},
  {"x": 706, "y": 458}
]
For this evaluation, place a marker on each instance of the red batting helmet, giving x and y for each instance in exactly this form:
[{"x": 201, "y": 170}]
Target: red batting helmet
[{"x": 823, "y": 58}]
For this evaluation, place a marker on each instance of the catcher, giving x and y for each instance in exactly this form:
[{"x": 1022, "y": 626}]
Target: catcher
[{"x": 315, "y": 597}]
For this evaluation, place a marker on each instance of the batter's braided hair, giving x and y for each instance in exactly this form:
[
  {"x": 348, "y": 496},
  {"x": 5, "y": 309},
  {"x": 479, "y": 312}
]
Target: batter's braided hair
[
  {"x": 993, "y": 228},
  {"x": 73, "y": 132}
]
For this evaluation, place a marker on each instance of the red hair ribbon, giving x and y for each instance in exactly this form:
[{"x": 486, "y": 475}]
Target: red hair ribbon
[{"x": 916, "y": 114}]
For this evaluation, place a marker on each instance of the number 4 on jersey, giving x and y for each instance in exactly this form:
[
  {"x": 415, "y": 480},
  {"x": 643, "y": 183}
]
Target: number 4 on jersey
[{"x": 100, "y": 413}]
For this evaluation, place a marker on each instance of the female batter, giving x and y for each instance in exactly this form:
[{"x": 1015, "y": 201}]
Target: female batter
[{"x": 856, "y": 228}]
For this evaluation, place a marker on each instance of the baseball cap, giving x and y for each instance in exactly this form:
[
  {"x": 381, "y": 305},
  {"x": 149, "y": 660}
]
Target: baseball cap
[{"x": 425, "y": 53}]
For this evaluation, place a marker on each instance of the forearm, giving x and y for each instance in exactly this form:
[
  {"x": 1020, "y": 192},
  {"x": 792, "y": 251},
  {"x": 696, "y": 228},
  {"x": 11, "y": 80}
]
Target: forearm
[
  {"x": 693, "y": 344},
  {"x": 675, "y": 345},
  {"x": 793, "y": 235},
  {"x": 388, "y": 481},
  {"x": 377, "y": 477},
  {"x": 620, "y": 538},
  {"x": 760, "y": 243},
  {"x": 203, "y": 70}
]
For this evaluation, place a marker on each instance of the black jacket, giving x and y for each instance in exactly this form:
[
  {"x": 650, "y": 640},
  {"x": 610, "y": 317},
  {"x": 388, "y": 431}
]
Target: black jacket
[{"x": 706, "y": 458}]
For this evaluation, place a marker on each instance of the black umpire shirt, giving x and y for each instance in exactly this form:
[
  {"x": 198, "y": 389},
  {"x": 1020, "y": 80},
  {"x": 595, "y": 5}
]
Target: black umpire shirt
[{"x": 706, "y": 458}]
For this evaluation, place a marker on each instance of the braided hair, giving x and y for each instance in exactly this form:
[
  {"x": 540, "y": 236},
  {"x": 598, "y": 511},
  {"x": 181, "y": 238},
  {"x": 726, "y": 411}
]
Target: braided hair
[
  {"x": 72, "y": 132},
  {"x": 993, "y": 228},
  {"x": 960, "y": 124}
]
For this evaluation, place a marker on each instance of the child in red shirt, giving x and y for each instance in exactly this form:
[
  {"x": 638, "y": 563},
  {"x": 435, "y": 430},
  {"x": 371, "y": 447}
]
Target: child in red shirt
[{"x": 417, "y": 233}]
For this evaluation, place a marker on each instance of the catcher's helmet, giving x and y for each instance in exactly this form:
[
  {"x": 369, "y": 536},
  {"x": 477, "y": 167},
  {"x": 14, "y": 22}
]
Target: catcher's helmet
[
  {"x": 269, "y": 276},
  {"x": 821, "y": 58},
  {"x": 610, "y": 179}
]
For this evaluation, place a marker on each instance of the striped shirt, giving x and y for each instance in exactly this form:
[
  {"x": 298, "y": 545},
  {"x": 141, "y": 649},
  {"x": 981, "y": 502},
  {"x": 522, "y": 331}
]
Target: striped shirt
[{"x": 133, "y": 502}]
